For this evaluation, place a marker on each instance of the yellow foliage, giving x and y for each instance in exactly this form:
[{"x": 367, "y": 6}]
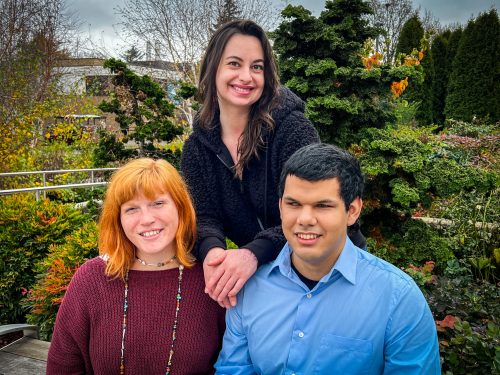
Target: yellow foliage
[
  {"x": 414, "y": 58},
  {"x": 22, "y": 134},
  {"x": 372, "y": 60},
  {"x": 397, "y": 88}
]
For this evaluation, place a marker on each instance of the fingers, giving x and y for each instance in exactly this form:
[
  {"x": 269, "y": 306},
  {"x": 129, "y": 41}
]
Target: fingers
[
  {"x": 224, "y": 286},
  {"x": 236, "y": 289},
  {"x": 225, "y": 303},
  {"x": 216, "y": 261},
  {"x": 210, "y": 266},
  {"x": 215, "y": 257},
  {"x": 214, "y": 278},
  {"x": 226, "y": 273}
]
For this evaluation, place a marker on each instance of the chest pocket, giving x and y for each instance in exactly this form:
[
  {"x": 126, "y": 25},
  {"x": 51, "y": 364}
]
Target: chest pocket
[{"x": 343, "y": 355}]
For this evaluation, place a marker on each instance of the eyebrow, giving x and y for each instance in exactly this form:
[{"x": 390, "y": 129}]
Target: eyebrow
[
  {"x": 240, "y": 59},
  {"x": 322, "y": 201}
]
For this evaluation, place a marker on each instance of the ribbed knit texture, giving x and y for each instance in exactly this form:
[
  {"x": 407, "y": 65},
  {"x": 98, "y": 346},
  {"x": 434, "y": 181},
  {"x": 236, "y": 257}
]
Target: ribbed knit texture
[{"x": 87, "y": 335}]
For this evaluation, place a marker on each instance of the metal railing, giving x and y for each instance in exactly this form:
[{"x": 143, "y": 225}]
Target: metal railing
[{"x": 91, "y": 182}]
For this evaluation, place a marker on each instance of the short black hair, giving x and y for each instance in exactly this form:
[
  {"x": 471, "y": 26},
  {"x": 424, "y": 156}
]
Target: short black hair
[{"x": 321, "y": 161}]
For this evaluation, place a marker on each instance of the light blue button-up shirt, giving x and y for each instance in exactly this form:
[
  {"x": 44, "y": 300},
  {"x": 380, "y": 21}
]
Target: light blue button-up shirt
[{"x": 365, "y": 316}]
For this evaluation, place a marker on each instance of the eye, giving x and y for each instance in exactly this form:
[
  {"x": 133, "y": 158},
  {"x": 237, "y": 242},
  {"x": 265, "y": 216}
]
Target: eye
[
  {"x": 158, "y": 203},
  {"x": 258, "y": 67},
  {"x": 234, "y": 63},
  {"x": 129, "y": 210},
  {"x": 292, "y": 204},
  {"x": 323, "y": 205}
]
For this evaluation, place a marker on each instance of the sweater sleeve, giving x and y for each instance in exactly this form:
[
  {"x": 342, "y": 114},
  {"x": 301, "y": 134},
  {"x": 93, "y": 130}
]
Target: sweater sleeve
[
  {"x": 293, "y": 132},
  {"x": 68, "y": 353},
  {"x": 205, "y": 198}
]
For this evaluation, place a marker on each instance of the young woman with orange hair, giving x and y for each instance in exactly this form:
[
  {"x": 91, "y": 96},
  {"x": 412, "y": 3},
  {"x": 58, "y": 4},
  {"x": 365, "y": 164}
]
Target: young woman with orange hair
[{"x": 139, "y": 308}]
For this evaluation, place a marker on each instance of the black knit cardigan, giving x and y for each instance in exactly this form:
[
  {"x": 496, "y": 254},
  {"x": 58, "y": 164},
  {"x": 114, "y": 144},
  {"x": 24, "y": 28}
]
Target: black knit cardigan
[{"x": 246, "y": 211}]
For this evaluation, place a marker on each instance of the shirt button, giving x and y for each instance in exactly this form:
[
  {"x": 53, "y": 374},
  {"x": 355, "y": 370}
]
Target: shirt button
[
  {"x": 309, "y": 295},
  {"x": 301, "y": 334}
]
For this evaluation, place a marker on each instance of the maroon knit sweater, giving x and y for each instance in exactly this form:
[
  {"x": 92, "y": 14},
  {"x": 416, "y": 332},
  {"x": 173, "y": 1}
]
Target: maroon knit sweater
[{"x": 88, "y": 329}]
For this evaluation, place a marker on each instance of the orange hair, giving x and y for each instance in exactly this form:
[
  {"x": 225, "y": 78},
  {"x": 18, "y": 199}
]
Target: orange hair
[{"x": 152, "y": 178}]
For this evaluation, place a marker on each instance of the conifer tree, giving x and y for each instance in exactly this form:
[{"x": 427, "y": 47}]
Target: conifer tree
[
  {"x": 424, "y": 93},
  {"x": 320, "y": 60},
  {"x": 474, "y": 86},
  {"x": 228, "y": 12},
  {"x": 442, "y": 67},
  {"x": 410, "y": 39},
  {"x": 453, "y": 42},
  {"x": 142, "y": 111},
  {"x": 439, "y": 101}
]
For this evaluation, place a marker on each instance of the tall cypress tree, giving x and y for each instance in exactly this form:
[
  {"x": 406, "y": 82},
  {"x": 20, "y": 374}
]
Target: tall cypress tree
[
  {"x": 442, "y": 67},
  {"x": 410, "y": 38},
  {"x": 453, "y": 43},
  {"x": 424, "y": 95},
  {"x": 474, "y": 86},
  {"x": 320, "y": 60}
]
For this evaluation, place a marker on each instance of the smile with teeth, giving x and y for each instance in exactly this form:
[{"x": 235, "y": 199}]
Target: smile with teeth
[
  {"x": 243, "y": 90},
  {"x": 150, "y": 233},
  {"x": 308, "y": 236}
]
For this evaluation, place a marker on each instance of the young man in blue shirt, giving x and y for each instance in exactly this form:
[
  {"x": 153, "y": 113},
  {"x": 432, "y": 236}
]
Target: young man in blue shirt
[{"x": 325, "y": 306}]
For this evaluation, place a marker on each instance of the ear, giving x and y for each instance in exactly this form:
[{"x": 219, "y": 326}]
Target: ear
[
  {"x": 354, "y": 210},
  {"x": 280, "y": 203}
]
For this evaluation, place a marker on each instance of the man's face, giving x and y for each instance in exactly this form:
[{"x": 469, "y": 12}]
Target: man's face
[{"x": 314, "y": 221}]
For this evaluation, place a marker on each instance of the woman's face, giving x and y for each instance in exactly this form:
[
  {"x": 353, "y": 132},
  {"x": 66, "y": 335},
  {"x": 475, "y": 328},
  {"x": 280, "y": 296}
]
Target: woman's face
[
  {"x": 151, "y": 226},
  {"x": 240, "y": 75}
]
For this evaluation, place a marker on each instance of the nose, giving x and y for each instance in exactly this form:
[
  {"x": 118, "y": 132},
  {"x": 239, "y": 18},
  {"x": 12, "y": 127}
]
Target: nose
[
  {"x": 306, "y": 217},
  {"x": 245, "y": 75},
  {"x": 147, "y": 216}
]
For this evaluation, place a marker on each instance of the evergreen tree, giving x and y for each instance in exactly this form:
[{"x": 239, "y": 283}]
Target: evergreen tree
[
  {"x": 423, "y": 91},
  {"x": 442, "y": 67},
  {"x": 474, "y": 86},
  {"x": 142, "y": 111},
  {"x": 320, "y": 60},
  {"x": 410, "y": 37},
  {"x": 228, "y": 12},
  {"x": 453, "y": 42},
  {"x": 132, "y": 54}
]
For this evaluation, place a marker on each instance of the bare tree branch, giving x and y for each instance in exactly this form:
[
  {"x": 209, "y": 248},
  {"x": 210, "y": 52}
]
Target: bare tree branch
[
  {"x": 390, "y": 15},
  {"x": 33, "y": 34},
  {"x": 182, "y": 28}
]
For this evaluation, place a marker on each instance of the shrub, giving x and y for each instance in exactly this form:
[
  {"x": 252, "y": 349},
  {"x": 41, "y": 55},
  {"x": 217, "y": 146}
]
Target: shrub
[
  {"x": 27, "y": 229},
  {"x": 407, "y": 168},
  {"x": 411, "y": 242},
  {"x": 421, "y": 242},
  {"x": 55, "y": 273},
  {"x": 472, "y": 230},
  {"x": 467, "y": 311},
  {"x": 468, "y": 349}
]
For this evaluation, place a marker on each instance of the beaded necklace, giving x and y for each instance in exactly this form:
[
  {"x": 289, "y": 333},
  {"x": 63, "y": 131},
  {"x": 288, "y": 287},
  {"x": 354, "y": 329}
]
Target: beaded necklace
[
  {"x": 159, "y": 264},
  {"x": 174, "y": 327}
]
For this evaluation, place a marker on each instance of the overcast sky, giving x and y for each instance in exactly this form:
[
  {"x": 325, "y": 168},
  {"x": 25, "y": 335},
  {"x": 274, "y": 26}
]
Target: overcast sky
[{"x": 99, "y": 19}]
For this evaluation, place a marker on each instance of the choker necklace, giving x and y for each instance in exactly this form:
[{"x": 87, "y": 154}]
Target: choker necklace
[
  {"x": 174, "y": 327},
  {"x": 159, "y": 264}
]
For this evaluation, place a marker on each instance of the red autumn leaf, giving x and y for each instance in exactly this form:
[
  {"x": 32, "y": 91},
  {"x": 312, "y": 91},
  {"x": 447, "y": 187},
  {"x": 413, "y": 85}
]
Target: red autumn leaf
[{"x": 447, "y": 322}]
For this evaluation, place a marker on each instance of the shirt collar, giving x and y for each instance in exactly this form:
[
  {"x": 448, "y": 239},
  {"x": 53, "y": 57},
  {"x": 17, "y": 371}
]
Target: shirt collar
[{"x": 346, "y": 263}]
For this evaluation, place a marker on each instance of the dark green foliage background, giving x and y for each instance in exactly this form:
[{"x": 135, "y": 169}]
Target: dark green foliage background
[{"x": 474, "y": 87}]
